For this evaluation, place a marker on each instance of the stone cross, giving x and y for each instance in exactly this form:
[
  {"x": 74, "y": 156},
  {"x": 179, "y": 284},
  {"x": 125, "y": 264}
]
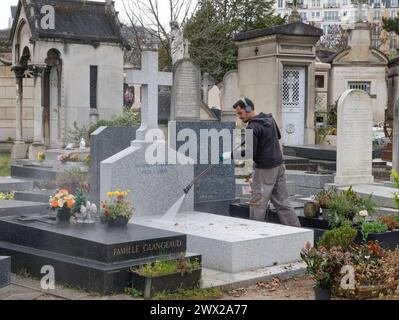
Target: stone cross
[
  {"x": 150, "y": 78},
  {"x": 186, "y": 45}
]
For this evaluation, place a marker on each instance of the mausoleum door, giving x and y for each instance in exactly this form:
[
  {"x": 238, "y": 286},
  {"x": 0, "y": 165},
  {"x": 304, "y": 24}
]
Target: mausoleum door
[{"x": 293, "y": 105}]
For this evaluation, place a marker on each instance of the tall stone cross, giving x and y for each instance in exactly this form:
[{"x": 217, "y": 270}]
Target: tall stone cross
[{"x": 150, "y": 78}]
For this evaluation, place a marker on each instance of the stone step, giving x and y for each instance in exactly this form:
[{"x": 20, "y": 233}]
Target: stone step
[
  {"x": 15, "y": 207},
  {"x": 34, "y": 195},
  {"x": 53, "y": 154},
  {"x": 307, "y": 192},
  {"x": 235, "y": 245},
  {"x": 43, "y": 171},
  {"x": 8, "y": 184},
  {"x": 243, "y": 188},
  {"x": 307, "y": 179}
]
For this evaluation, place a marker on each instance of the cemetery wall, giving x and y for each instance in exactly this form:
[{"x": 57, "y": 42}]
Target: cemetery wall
[{"x": 7, "y": 105}]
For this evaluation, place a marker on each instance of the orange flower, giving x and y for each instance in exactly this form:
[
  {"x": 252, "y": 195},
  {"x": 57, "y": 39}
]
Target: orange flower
[
  {"x": 70, "y": 203},
  {"x": 54, "y": 203},
  {"x": 64, "y": 192}
]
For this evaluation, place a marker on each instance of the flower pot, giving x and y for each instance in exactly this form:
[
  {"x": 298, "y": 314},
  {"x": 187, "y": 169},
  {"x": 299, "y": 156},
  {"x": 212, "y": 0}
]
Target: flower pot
[
  {"x": 118, "y": 222},
  {"x": 64, "y": 215},
  {"x": 166, "y": 283},
  {"x": 322, "y": 294},
  {"x": 312, "y": 210}
]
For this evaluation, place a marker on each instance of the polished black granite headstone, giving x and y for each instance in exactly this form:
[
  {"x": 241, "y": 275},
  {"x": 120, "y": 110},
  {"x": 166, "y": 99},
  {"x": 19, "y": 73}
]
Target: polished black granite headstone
[{"x": 94, "y": 257}]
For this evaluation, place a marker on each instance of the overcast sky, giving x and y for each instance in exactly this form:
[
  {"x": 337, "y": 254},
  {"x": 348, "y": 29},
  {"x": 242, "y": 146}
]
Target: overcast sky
[{"x": 5, "y": 12}]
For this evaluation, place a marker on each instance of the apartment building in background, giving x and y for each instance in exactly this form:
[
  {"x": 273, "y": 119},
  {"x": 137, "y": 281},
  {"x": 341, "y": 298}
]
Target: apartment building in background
[{"x": 326, "y": 13}]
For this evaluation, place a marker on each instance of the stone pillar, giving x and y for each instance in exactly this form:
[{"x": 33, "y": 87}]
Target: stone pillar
[
  {"x": 38, "y": 127},
  {"x": 19, "y": 149}
]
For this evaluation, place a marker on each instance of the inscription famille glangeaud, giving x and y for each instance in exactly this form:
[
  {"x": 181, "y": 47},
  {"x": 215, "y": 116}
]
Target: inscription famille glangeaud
[{"x": 147, "y": 247}]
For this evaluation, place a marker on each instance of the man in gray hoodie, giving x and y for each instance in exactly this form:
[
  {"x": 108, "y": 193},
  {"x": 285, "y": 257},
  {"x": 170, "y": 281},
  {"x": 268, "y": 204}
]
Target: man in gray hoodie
[{"x": 268, "y": 182}]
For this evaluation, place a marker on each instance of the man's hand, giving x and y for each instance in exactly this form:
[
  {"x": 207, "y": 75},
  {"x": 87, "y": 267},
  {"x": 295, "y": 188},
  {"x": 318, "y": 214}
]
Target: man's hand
[{"x": 225, "y": 156}]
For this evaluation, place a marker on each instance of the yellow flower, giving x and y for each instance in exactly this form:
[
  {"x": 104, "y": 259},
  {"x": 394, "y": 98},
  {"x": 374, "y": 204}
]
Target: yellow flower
[
  {"x": 124, "y": 193},
  {"x": 117, "y": 193},
  {"x": 109, "y": 194}
]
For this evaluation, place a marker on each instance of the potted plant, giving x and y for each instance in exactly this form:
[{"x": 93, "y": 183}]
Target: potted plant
[
  {"x": 312, "y": 208},
  {"x": 116, "y": 211},
  {"x": 385, "y": 230},
  {"x": 62, "y": 203},
  {"x": 167, "y": 276}
]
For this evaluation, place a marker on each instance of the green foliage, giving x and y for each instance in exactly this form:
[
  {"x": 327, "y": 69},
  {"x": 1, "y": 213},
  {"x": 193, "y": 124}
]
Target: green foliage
[
  {"x": 128, "y": 118},
  {"x": 7, "y": 196},
  {"x": 344, "y": 207},
  {"x": 340, "y": 237},
  {"x": 213, "y": 26},
  {"x": 134, "y": 293},
  {"x": 391, "y": 24},
  {"x": 199, "y": 294},
  {"x": 81, "y": 197},
  {"x": 5, "y": 166},
  {"x": 395, "y": 176},
  {"x": 373, "y": 227},
  {"x": 163, "y": 267}
]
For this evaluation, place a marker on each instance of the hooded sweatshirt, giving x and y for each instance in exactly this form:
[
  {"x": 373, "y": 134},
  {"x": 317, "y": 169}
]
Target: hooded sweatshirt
[{"x": 267, "y": 152}]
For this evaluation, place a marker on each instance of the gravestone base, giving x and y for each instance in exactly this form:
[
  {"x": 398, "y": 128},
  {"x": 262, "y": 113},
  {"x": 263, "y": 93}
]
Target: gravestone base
[
  {"x": 5, "y": 271},
  {"x": 96, "y": 258},
  {"x": 235, "y": 245},
  {"x": 353, "y": 180},
  {"x": 19, "y": 150}
]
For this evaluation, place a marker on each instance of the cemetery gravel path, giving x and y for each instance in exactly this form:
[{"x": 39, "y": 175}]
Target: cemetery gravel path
[{"x": 299, "y": 288}]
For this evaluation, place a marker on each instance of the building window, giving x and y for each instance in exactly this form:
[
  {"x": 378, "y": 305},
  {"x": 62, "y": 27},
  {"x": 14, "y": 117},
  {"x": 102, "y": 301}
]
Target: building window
[
  {"x": 365, "y": 86},
  {"x": 377, "y": 15},
  {"x": 319, "y": 81},
  {"x": 93, "y": 86},
  {"x": 394, "y": 3},
  {"x": 393, "y": 13},
  {"x": 303, "y": 16},
  {"x": 345, "y": 2},
  {"x": 331, "y": 15},
  {"x": 280, "y": 3}
]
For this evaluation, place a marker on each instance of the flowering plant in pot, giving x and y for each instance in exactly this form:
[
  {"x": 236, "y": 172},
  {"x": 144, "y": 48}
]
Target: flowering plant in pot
[
  {"x": 62, "y": 203},
  {"x": 116, "y": 211}
]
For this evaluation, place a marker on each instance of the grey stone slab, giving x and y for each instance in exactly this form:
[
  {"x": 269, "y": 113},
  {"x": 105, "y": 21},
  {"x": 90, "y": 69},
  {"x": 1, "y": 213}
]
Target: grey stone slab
[
  {"x": 8, "y": 184},
  {"x": 105, "y": 142},
  {"x": 317, "y": 152},
  {"x": 5, "y": 271},
  {"x": 309, "y": 179},
  {"x": 219, "y": 183},
  {"x": 235, "y": 245},
  {"x": 303, "y": 191},
  {"x": 34, "y": 195},
  {"x": 14, "y": 207}
]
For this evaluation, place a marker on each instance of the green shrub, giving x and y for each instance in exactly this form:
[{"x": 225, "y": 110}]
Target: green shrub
[
  {"x": 340, "y": 237},
  {"x": 164, "y": 267},
  {"x": 395, "y": 176},
  {"x": 345, "y": 206},
  {"x": 373, "y": 227}
]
